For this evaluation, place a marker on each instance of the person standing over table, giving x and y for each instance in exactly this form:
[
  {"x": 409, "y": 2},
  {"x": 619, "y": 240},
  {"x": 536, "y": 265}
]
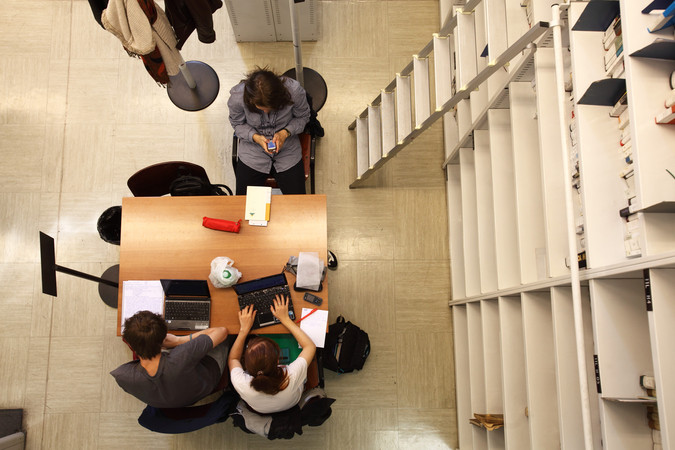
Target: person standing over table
[{"x": 268, "y": 108}]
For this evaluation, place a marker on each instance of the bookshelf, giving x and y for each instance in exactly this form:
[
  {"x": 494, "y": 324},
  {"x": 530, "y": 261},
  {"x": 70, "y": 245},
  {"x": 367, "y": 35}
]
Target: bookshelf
[
  {"x": 560, "y": 352},
  {"x": 512, "y": 299}
]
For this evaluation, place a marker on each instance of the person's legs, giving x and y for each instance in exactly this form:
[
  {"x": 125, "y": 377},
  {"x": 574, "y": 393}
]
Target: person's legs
[
  {"x": 292, "y": 181},
  {"x": 219, "y": 353},
  {"x": 248, "y": 177}
]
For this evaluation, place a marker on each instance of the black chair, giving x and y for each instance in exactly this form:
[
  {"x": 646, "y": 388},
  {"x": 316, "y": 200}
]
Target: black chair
[
  {"x": 308, "y": 145},
  {"x": 155, "y": 180}
]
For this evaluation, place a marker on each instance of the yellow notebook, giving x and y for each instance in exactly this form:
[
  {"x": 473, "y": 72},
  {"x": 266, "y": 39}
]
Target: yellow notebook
[{"x": 258, "y": 201}]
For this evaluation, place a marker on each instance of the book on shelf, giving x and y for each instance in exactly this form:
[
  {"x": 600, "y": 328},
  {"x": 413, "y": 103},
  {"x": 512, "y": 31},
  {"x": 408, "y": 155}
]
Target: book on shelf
[
  {"x": 617, "y": 68},
  {"x": 670, "y": 99},
  {"x": 623, "y": 119},
  {"x": 663, "y": 19},
  {"x": 667, "y": 116},
  {"x": 614, "y": 42},
  {"x": 611, "y": 55},
  {"x": 620, "y": 106},
  {"x": 613, "y": 30},
  {"x": 610, "y": 39}
]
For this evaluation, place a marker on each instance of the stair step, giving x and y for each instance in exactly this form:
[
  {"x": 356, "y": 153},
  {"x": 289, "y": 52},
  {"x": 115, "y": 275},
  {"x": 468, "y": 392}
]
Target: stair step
[
  {"x": 388, "y": 118},
  {"x": 422, "y": 93},
  {"x": 374, "y": 135},
  {"x": 403, "y": 107}
]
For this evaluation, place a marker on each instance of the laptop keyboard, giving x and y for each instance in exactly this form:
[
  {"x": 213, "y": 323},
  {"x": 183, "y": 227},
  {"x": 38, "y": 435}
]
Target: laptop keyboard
[
  {"x": 263, "y": 299},
  {"x": 187, "y": 310}
]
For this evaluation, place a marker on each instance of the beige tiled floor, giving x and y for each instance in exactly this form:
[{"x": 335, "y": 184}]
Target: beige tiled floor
[{"x": 78, "y": 117}]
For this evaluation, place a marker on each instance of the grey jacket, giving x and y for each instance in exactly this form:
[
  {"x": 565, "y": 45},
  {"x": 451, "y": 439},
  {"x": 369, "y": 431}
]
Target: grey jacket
[{"x": 246, "y": 123}]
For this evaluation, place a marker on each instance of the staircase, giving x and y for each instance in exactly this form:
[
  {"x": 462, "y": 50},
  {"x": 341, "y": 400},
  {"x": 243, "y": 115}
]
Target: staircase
[{"x": 385, "y": 126}]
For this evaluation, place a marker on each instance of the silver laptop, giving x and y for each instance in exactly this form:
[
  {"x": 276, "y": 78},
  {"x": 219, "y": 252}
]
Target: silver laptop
[{"x": 187, "y": 304}]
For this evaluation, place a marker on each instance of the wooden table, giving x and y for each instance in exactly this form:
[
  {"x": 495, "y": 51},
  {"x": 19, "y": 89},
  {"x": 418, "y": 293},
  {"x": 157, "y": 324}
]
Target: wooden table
[{"x": 163, "y": 237}]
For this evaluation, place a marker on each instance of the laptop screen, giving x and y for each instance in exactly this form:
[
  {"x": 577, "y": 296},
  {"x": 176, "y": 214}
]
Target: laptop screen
[
  {"x": 260, "y": 283},
  {"x": 185, "y": 288}
]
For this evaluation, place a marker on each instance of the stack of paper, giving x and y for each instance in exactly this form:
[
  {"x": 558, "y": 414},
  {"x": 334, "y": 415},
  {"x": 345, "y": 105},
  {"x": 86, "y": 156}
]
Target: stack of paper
[
  {"x": 258, "y": 201},
  {"x": 141, "y": 295}
]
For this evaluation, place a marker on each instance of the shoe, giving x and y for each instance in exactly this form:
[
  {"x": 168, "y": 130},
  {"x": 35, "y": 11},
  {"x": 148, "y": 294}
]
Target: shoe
[{"x": 332, "y": 260}]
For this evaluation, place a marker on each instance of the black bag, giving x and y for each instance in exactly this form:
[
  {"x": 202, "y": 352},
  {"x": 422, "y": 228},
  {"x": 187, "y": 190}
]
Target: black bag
[
  {"x": 192, "y": 185},
  {"x": 347, "y": 347}
]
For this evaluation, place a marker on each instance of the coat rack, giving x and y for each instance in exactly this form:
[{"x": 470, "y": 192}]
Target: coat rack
[
  {"x": 195, "y": 88},
  {"x": 308, "y": 78}
]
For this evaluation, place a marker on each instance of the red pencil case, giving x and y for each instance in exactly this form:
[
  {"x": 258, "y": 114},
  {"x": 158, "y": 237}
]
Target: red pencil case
[{"x": 222, "y": 225}]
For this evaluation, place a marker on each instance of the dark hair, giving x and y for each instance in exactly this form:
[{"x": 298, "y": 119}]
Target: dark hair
[
  {"x": 261, "y": 361},
  {"x": 144, "y": 332},
  {"x": 263, "y": 87}
]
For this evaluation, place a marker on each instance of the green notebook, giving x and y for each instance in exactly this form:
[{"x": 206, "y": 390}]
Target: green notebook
[{"x": 290, "y": 350}]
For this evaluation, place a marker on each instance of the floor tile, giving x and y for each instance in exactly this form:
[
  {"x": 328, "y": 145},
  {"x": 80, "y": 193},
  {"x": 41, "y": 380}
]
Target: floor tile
[
  {"x": 13, "y": 366},
  {"x": 21, "y": 147},
  {"x": 425, "y": 237},
  {"x": 74, "y": 378},
  {"x": 121, "y": 430},
  {"x": 361, "y": 224},
  {"x": 65, "y": 430},
  {"x": 427, "y": 428},
  {"x": 425, "y": 369},
  {"x": 422, "y": 292},
  {"x": 375, "y": 385}
]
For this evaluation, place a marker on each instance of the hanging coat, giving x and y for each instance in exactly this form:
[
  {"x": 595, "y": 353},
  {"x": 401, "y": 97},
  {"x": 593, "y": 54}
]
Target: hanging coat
[
  {"x": 187, "y": 15},
  {"x": 128, "y": 22}
]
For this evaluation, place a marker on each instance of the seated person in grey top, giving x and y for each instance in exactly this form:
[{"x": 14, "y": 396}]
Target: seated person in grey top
[
  {"x": 181, "y": 377},
  {"x": 266, "y": 108}
]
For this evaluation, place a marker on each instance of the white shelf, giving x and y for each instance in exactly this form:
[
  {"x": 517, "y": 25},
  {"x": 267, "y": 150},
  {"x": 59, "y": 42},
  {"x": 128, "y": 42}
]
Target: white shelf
[
  {"x": 504, "y": 200},
  {"x": 454, "y": 195},
  {"x": 492, "y": 358},
  {"x": 485, "y": 211},
  {"x": 662, "y": 332},
  {"x": 621, "y": 336},
  {"x": 529, "y": 201},
  {"x": 516, "y": 427},
  {"x": 541, "y": 373},
  {"x": 477, "y": 371},
  {"x": 462, "y": 376},
  {"x": 470, "y": 221},
  {"x": 569, "y": 390},
  {"x": 550, "y": 153}
]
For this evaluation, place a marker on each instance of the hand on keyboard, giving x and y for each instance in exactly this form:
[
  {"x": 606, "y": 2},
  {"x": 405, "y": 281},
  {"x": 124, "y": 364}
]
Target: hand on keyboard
[
  {"x": 246, "y": 318},
  {"x": 280, "y": 307}
]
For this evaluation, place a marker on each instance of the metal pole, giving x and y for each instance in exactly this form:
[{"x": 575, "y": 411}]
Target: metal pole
[
  {"x": 571, "y": 236},
  {"x": 297, "y": 45},
  {"x": 186, "y": 74},
  {"x": 86, "y": 276}
]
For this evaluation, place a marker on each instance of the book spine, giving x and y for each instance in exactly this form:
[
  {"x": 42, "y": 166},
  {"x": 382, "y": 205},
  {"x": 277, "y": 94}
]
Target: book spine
[
  {"x": 667, "y": 116},
  {"x": 670, "y": 99}
]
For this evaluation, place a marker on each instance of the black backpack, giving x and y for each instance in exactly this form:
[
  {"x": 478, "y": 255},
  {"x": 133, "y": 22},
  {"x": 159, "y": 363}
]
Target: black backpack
[
  {"x": 192, "y": 185},
  {"x": 347, "y": 347}
]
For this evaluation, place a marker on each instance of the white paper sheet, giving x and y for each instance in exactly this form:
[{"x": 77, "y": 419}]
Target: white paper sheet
[
  {"x": 315, "y": 325},
  {"x": 141, "y": 295},
  {"x": 310, "y": 270}
]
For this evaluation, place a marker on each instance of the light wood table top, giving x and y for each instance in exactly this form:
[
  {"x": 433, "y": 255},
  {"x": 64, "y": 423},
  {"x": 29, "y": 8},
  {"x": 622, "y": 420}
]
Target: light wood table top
[{"x": 163, "y": 237}]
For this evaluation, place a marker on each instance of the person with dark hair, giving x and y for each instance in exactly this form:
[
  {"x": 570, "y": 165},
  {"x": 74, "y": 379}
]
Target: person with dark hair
[
  {"x": 268, "y": 109},
  {"x": 261, "y": 382},
  {"x": 170, "y": 379}
]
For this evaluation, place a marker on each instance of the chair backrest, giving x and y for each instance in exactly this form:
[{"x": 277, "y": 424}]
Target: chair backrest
[{"x": 155, "y": 180}]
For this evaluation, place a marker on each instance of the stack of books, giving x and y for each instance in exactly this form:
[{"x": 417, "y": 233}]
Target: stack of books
[
  {"x": 612, "y": 42},
  {"x": 631, "y": 231},
  {"x": 667, "y": 116}
]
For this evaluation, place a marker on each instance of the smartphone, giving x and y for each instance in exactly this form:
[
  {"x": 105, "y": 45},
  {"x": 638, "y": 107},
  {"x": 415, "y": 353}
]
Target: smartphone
[
  {"x": 271, "y": 146},
  {"x": 311, "y": 298}
]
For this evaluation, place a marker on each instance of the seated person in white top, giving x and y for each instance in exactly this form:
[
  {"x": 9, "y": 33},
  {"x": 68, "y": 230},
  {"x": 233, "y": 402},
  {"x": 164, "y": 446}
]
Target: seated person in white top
[{"x": 261, "y": 382}]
